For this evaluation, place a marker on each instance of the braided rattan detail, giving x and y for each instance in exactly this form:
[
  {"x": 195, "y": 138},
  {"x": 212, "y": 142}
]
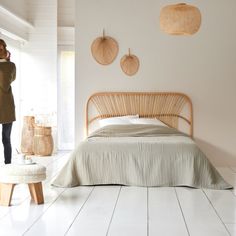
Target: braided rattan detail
[{"x": 165, "y": 106}]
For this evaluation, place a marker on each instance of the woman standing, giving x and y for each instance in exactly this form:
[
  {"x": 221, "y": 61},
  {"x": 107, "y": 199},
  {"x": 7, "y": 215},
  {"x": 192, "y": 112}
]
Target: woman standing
[{"x": 7, "y": 107}]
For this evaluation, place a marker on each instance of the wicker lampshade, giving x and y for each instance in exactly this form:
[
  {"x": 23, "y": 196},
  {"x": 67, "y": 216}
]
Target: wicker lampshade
[
  {"x": 104, "y": 49},
  {"x": 180, "y": 19}
]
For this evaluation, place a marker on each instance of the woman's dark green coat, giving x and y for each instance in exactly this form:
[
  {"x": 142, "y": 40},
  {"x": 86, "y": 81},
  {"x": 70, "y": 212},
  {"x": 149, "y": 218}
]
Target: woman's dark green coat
[{"x": 7, "y": 106}]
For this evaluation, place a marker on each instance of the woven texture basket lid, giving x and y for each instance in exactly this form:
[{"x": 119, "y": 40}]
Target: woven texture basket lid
[
  {"x": 180, "y": 19},
  {"x": 129, "y": 64},
  {"x": 104, "y": 49}
]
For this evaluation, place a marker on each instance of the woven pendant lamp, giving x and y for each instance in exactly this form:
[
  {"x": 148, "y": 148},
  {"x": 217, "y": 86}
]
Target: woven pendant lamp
[
  {"x": 180, "y": 19},
  {"x": 104, "y": 49}
]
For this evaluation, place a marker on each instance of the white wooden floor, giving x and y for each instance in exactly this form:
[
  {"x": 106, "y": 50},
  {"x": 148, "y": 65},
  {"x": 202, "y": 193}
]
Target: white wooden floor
[{"x": 120, "y": 211}]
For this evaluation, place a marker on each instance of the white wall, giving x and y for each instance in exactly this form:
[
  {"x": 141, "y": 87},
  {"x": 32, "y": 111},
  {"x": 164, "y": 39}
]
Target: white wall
[
  {"x": 39, "y": 59},
  {"x": 202, "y": 65}
]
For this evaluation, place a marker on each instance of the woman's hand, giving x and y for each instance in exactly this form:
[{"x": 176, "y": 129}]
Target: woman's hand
[{"x": 8, "y": 56}]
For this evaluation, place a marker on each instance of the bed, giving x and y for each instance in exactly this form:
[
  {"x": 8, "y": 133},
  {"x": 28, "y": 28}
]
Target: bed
[{"x": 139, "y": 139}]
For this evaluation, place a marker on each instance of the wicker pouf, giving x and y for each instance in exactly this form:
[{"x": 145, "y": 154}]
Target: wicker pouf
[{"x": 11, "y": 174}]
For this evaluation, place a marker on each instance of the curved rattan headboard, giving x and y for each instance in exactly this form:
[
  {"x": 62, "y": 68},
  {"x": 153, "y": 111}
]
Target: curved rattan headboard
[{"x": 166, "y": 106}]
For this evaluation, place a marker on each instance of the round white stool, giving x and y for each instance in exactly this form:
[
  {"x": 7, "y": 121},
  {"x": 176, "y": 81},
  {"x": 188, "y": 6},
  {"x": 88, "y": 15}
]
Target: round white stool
[{"x": 12, "y": 174}]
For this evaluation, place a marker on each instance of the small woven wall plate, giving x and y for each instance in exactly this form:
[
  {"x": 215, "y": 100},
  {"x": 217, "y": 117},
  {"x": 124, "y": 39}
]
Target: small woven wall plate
[
  {"x": 129, "y": 64},
  {"x": 104, "y": 49}
]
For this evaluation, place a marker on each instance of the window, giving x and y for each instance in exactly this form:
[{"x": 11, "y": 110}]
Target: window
[{"x": 66, "y": 98}]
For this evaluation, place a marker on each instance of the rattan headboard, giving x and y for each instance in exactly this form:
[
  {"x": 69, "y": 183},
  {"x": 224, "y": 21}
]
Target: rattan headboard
[{"x": 166, "y": 106}]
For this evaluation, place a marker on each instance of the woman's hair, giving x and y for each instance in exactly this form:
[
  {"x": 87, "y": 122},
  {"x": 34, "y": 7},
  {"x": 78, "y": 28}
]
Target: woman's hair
[
  {"x": 3, "y": 49},
  {"x": 2, "y": 42}
]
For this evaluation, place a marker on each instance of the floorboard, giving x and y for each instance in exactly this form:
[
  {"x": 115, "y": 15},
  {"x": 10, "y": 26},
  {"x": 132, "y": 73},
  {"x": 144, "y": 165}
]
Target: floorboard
[
  {"x": 61, "y": 213},
  {"x": 164, "y": 211},
  {"x": 130, "y": 216},
  {"x": 20, "y": 218},
  {"x": 95, "y": 217},
  {"x": 232, "y": 229},
  {"x": 201, "y": 218},
  {"x": 224, "y": 202}
]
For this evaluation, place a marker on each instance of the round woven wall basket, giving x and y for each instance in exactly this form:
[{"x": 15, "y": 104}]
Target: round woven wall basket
[
  {"x": 129, "y": 64},
  {"x": 104, "y": 49},
  {"x": 180, "y": 19}
]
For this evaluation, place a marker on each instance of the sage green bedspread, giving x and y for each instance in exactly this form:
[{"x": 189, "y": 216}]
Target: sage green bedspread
[{"x": 139, "y": 155}]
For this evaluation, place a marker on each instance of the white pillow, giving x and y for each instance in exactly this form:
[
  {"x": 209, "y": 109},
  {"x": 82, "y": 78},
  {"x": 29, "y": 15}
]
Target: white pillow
[
  {"x": 147, "y": 121},
  {"x": 119, "y": 120}
]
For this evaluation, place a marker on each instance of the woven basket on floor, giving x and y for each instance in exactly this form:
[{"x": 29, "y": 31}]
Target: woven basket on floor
[
  {"x": 43, "y": 141},
  {"x": 27, "y": 135}
]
